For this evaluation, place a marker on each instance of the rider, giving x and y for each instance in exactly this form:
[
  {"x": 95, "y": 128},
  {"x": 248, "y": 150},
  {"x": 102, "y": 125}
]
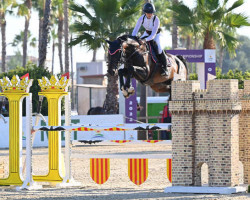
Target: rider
[{"x": 152, "y": 25}]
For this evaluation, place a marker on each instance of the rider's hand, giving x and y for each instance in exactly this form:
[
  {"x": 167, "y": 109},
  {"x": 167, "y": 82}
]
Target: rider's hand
[{"x": 143, "y": 41}]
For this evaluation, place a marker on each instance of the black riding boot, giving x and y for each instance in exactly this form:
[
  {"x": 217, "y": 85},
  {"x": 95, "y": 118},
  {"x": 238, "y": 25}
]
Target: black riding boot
[{"x": 163, "y": 60}]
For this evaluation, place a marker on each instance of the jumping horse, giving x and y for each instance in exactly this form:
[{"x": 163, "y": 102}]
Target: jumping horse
[{"x": 140, "y": 61}]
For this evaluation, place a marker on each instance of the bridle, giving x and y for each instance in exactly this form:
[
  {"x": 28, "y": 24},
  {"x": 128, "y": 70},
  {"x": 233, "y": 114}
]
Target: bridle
[
  {"x": 119, "y": 50},
  {"x": 123, "y": 58}
]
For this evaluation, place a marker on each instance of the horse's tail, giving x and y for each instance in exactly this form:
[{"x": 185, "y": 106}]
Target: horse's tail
[{"x": 184, "y": 61}]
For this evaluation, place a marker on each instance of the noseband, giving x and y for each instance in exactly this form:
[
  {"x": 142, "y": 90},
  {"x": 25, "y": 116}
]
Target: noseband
[{"x": 114, "y": 52}]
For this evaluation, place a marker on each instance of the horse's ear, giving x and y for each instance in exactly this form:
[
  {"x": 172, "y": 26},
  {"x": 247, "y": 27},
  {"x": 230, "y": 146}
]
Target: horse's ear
[
  {"x": 123, "y": 38},
  {"x": 108, "y": 41}
]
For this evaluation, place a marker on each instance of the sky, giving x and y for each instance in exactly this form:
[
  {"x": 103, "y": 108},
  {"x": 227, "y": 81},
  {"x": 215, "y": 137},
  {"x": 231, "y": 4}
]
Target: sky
[{"x": 15, "y": 26}]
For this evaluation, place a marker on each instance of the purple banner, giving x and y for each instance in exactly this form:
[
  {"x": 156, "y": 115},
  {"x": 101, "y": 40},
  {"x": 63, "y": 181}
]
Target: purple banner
[
  {"x": 209, "y": 68},
  {"x": 189, "y": 55},
  {"x": 131, "y": 106}
]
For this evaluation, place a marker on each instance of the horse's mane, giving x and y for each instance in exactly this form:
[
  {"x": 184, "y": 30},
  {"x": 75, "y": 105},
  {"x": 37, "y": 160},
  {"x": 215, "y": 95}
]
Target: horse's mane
[{"x": 124, "y": 38}]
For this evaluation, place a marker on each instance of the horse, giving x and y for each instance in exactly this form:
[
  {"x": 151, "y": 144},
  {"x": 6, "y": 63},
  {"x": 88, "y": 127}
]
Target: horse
[{"x": 140, "y": 61}]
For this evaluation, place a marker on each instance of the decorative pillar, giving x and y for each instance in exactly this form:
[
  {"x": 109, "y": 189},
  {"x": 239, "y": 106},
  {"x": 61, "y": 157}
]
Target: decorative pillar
[
  {"x": 53, "y": 90},
  {"x": 15, "y": 91}
]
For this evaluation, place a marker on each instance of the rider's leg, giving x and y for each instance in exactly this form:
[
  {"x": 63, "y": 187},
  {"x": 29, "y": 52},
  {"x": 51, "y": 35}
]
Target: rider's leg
[{"x": 162, "y": 55}]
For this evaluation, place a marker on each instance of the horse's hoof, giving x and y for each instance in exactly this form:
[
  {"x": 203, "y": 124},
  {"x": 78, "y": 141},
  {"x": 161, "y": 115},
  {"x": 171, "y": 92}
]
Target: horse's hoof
[
  {"x": 131, "y": 90},
  {"x": 125, "y": 93}
]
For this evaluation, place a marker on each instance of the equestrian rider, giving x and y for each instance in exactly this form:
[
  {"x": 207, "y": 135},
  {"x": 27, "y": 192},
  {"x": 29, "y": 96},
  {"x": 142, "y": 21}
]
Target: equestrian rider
[{"x": 152, "y": 25}]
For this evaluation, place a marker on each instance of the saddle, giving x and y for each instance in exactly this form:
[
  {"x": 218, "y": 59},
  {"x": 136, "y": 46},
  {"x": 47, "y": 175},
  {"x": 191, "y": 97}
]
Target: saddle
[{"x": 153, "y": 49}]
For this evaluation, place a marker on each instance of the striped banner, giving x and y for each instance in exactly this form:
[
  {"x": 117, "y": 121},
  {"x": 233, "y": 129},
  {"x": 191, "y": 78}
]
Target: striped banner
[
  {"x": 120, "y": 141},
  {"x": 83, "y": 129},
  {"x": 115, "y": 129},
  {"x": 169, "y": 170},
  {"x": 138, "y": 170},
  {"x": 100, "y": 169},
  {"x": 152, "y": 141}
]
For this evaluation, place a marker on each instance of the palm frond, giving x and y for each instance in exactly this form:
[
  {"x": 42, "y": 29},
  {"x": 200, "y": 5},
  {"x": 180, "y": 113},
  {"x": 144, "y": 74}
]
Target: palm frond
[
  {"x": 231, "y": 43},
  {"x": 235, "y": 5},
  {"x": 212, "y": 4},
  {"x": 237, "y": 20},
  {"x": 81, "y": 9}
]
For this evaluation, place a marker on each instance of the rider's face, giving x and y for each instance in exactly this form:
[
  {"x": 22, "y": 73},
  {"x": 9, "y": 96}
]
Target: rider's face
[{"x": 149, "y": 15}]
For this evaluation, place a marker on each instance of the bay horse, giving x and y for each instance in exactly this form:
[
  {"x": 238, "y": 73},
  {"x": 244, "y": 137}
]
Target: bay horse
[{"x": 140, "y": 62}]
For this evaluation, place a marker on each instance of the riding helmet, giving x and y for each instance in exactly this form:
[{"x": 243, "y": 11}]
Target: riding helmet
[{"x": 148, "y": 8}]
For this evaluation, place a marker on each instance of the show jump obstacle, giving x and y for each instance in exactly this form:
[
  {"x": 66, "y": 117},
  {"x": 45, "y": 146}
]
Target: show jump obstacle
[
  {"x": 208, "y": 126},
  {"x": 53, "y": 90}
]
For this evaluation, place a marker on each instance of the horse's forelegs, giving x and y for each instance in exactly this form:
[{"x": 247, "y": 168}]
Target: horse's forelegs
[
  {"x": 128, "y": 87},
  {"x": 121, "y": 73},
  {"x": 121, "y": 80},
  {"x": 129, "y": 74}
]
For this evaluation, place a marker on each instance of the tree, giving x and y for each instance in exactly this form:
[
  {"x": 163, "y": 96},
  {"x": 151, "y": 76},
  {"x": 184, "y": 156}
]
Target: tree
[
  {"x": 209, "y": 18},
  {"x": 110, "y": 19},
  {"x": 4, "y": 8},
  {"x": 174, "y": 29},
  {"x": 39, "y": 5},
  {"x": 19, "y": 40},
  {"x": 54, "y": 44},
  {"x": 58, "y": 19},
  {"x": 35, "y": 73},
  {"x": 44, "y": 38},
  {"x": 24, "y": 9},
  {"x": 242, "y": 59},
  {"x": 66, "y": 34}
]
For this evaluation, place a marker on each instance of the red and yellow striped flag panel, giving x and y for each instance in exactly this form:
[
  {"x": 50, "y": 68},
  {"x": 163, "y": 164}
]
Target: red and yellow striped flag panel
[
  {"x": 100, "y": 169},
  {"x": 82, "y": 129},
  {"x": 138, "y": 170},
  {"x": 120, "y": 141},
  {"x": 114, "y": 129},
  {"x": 152, "y": 141},
  {"x": 169, "y": 170}
]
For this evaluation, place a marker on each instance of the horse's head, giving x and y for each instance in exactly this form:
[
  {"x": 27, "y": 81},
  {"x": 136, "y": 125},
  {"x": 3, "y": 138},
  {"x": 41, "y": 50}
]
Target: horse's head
[
  {"x": 114, "y": 55},
  {"x": 132, "y": 44},
  {"x": 126, "y": 44}
]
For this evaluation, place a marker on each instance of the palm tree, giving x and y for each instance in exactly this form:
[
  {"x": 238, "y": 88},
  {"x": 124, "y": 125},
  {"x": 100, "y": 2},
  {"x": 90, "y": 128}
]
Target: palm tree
[
  {"x": 18, "y": 39},
  {"x": 174, "y": 29},
  {"x": 58, "y": 18},
  {"x": 110, "y": 19},
  {"x": 66, "y": 34},
  {"x": 44, "y": 37},
  {"x": 39, "y": 5},
  {"x": 4, "y": 6},
  {"x": 209, "y": 17},
  {"x": 54, "y": 44},
  {"x": 24, "y": 9}
]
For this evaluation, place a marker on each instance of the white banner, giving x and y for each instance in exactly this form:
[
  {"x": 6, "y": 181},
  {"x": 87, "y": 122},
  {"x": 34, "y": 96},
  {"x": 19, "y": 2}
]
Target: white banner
[{"x": 41, "y": 138}]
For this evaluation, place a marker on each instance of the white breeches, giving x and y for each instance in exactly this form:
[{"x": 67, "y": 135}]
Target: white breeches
[{"x": 157, "y": 39}]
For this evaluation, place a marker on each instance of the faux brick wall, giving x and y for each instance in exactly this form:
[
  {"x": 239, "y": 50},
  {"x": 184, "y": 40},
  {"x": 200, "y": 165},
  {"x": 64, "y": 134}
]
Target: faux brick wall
[
  {"x": 205, "y": 129},
  {"x": 244, "y": 130}
]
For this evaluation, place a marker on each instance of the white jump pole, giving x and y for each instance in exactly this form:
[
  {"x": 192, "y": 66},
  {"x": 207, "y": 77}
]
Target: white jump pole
[
  {"x": 29, "y": 183},
  {"x": 68, "y": 179}
]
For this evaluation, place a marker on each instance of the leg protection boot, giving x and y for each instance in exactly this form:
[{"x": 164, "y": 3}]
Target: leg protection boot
[{"x": 163, "y": 60}]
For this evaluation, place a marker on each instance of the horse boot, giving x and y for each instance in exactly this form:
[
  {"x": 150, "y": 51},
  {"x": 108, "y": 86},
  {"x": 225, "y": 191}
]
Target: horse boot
[{"x": 165, "y": 66}]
